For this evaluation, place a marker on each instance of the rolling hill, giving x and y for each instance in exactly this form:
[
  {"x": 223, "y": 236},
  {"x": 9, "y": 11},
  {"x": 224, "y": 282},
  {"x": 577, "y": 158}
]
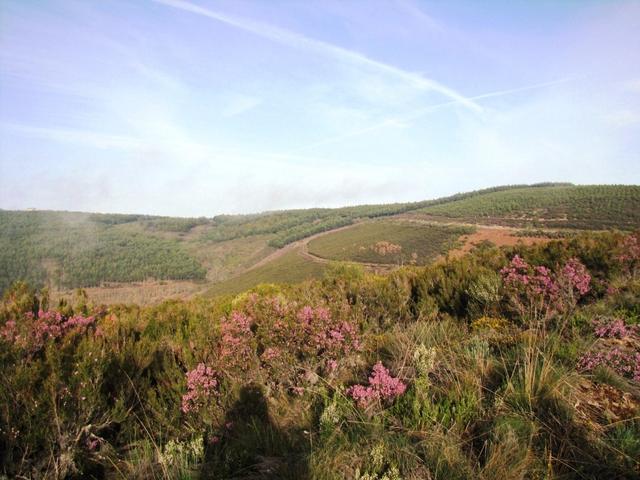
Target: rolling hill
[
  {"x": 556, "y": 206},
  {"x": 67, "y": 250}
]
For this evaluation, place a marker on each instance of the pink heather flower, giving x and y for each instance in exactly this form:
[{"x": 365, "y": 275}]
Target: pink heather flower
[
  {"x": 235, "y": 344},
  {"x": 629, "y": 255},
  {"x": 45, "y": 325},
  {"x": 538, "y": 291},
  {"x": 327, "y": 336},
  {"x": 270, "y": 354},
  {"x": 387, "y": 385},
  {"x": 308, "y": 315},
  {"x": 332, "y": 365},
  {"x": 615, "y": 328},
  {"x": 298, "y": 390},
  {"x": 625, "y": 364},
  {"x": 362, "y": 395},
  {"x": 382, "y": 386},
  {"x": 516, "y": 272},
  {"x": 9, "y": 331},
  {"x": 577, "y": 275},
  {"x": 202, "y": 384},
  {"x": 279, "y": 307}
]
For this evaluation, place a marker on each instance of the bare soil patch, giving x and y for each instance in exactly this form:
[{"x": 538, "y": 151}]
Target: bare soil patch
[{"x": 499, "y": 236}]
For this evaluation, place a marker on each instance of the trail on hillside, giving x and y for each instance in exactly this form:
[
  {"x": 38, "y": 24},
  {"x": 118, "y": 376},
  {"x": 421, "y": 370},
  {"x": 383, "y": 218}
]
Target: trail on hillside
[
  {"x": 499, "y": 235},
  {"x": 304, "y": 251}
]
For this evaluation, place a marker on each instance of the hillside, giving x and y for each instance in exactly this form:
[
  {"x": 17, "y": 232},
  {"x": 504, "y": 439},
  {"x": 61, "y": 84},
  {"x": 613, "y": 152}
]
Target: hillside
[
  {"x": 514, "y": 362},
  {"x": 388, "y": 242},
  {"x": 559, "y": 206},
  {"x": 67, "y": 250}
]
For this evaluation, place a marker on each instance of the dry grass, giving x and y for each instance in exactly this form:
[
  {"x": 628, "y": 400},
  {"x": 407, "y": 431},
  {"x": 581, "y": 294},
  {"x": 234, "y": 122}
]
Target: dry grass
[{"x": 144, "y": 293}]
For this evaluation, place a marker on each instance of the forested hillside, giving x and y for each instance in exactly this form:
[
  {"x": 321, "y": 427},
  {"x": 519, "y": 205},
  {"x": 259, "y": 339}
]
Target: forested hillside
[
  {"x": 557, "y": 206},
  {"x": 81, "y": 250},
  {"x": 66, "y": 250}
]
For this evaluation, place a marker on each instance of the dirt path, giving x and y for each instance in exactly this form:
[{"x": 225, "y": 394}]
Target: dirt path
[
  {"x": 499, "y": 235},
  {"x": 304, "y": 249},
  {"x": 377, "y": 267}
]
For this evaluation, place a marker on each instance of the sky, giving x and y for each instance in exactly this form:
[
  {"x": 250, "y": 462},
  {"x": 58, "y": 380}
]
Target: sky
[{"x": 196, "y": 108}]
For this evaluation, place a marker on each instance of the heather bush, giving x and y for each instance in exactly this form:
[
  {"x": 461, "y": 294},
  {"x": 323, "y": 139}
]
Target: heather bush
[
  {"x": 629, "y": 254},
  {"x": 382, "y": 388},
  {"x": 454, "y": 370},
  {"x": 537, "y": 294}
]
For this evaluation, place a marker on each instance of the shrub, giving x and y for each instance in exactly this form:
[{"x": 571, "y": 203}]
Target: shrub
[
  {"x": 202, "y": 385},
  {"x": 382, "y": 388}
]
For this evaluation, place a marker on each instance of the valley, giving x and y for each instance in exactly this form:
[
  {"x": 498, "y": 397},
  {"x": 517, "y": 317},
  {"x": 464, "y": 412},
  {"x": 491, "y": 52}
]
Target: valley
[{"x": 143, "y": 259}]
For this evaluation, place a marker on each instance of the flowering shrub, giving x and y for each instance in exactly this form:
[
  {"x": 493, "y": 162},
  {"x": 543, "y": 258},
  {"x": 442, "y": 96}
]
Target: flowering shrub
[
  {"x": 623, "y": 363},
  {"x": 236, "y": 340},
  {"x": 629, "y": 255},
  {"x": 575, "y": 276},
  {"x": 289, "y": 344},
  {"x": 424, "y": 360},
  {"x": 382, "y": 387},
  {"x": 327, "y": 336},
  {"x": 35, "y": 330},
  {"x": 202, "y": 384},
  {"x": 537, "y": 293},
  {"x": 621, "y": 357},
  {"x": 489, "y": 323},
  {"x": 175, "y": 453},
  {"x": 616, "y": 328}
]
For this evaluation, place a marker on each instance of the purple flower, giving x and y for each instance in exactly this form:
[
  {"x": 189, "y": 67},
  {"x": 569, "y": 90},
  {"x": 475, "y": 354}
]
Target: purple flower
[
  {"x": 202, "y": 383},
  {"x": 382, "y": 386}
]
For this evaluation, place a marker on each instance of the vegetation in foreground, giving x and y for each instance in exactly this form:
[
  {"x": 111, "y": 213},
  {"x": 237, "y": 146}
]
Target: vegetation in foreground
[{"x": 506, "y": 363}]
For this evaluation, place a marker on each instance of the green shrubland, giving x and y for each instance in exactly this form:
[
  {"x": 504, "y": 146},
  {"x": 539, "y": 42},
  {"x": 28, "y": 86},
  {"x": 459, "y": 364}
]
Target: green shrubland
[{"x": 505, "y": 363}]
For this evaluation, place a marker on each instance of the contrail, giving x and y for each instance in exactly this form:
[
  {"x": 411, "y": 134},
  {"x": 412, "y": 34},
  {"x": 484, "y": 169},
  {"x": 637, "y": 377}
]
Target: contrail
[
  {"x": 296, "y": 40},
  {"x": 431, "y": 108}
]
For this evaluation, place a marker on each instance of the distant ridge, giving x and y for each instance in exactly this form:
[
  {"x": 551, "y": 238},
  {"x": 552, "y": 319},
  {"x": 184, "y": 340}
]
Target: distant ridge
[{"x": 77, "y": 249}]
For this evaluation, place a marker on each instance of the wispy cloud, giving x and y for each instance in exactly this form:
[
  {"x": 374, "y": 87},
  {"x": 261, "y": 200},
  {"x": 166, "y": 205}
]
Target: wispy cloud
[
  {"x": 92, "y": 139},
  {"x": 404, "y": 121},
  {"x": 297, "y": 40}
]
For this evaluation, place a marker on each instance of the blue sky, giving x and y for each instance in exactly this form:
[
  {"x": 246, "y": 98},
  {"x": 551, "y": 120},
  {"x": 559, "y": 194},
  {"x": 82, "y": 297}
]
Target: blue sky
[{"x": 196, "y": 108}]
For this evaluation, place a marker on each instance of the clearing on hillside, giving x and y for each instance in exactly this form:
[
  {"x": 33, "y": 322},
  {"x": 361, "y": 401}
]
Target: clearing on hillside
[{"x": 388, "y": 242}]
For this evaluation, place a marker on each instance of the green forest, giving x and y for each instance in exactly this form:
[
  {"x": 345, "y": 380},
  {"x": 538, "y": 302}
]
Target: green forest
[{"x": 65, "y": 250}]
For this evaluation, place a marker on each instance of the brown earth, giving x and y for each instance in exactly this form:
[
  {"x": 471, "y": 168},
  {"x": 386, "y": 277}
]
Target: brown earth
[{"x": 499, "y": 236}]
